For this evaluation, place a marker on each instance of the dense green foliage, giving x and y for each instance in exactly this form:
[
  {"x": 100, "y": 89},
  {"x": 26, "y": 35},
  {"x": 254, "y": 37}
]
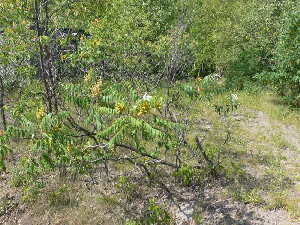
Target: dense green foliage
[
  {"x": 89, "y": 83},
  {"x": 287, "y": 58}
]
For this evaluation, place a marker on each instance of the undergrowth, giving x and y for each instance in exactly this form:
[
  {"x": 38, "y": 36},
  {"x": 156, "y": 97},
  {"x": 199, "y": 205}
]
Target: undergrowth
[{"x": 149, "y": 145}]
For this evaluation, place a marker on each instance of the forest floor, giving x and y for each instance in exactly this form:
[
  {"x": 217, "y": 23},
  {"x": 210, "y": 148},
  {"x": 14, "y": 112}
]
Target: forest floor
[{"x": 265, "y": 142}]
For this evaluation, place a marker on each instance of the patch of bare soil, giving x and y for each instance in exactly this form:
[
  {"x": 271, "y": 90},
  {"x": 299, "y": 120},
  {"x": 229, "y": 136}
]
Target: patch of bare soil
[
  {"x": 10, "y": 207},
  {"x": 218, "y": 210},
  {"x": 226, "y": 211},
  {"x": 259, "y": 124}
]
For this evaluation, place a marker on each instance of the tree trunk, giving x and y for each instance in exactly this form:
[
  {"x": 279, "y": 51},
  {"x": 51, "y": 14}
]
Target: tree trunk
[{"x": 2, "y": 111}]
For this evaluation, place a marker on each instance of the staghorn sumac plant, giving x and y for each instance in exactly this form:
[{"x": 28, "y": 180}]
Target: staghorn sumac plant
[{"x": 98, "y": 121}]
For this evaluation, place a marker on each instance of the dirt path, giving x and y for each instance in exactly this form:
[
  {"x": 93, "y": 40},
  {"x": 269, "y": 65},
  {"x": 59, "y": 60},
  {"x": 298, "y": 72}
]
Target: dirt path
[
  {"x": 261, "y": 123},
  {"x": 221, "y": 210}
]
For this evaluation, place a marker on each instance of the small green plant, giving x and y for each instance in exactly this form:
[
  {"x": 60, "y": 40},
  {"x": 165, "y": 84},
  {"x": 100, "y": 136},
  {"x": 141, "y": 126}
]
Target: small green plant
[
  {"x": 278, "y": 200},
  {"x": 185, "y": 174},
  {"x": 111, "y": 201},
  {"x": 59, "y": 197},
  {"x": 248, "y": 196},
  {"x": 30, "y": 193},
  {"x": 229, "y": 105},
  {"x": 277, "y": 179},
  {"x": 4, "y": 149},
  {"x": 189, "y": 90},
  {"x": 198, "y": 218},
  {"x": 127, "y": 187},
  {"x": 208, "y": 87},
  {"x": 155, "y": 214}
]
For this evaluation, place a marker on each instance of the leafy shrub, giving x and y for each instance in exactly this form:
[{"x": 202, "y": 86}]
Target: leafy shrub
[
  {"x": 30, "y": 193},
  {"x": 230, "y": 104},
  {"x": 186, "y": 174},
  {"x": 248, "y": 196},
  {"x": 99, "y": 122},
  {"x": 244, "y": 68},
  {"x": 189, "y": 90},
  {"x": 287, "y": 69},
  {"x": 144, "y": 38},
  {"x": 156, "y": 214},
  {"x": 127, "y": 187}
]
